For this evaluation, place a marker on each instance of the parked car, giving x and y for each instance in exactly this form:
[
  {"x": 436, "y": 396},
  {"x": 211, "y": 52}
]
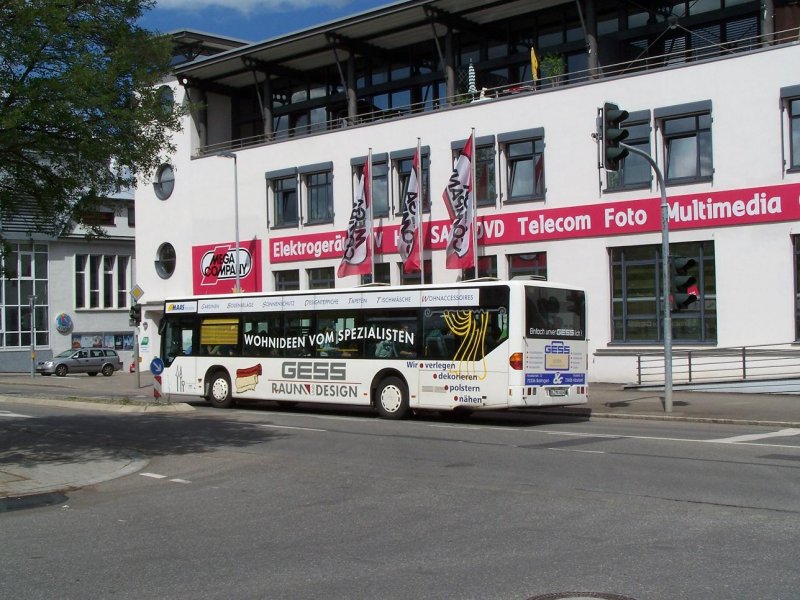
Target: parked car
[{"x": 82, "y": 360}]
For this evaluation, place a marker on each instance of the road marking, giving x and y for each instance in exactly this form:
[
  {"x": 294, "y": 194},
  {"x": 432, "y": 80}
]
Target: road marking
[
  {"x": 180, "y": 481},
  {"x": 289, "y": 427},
  {"x": 757, "y": 436},
  {"x": 573, "y": 450},
  {"x": 6, "y": 413},
  {"x": 671, "y": 439},
  {"x": 153, "y": 475}
]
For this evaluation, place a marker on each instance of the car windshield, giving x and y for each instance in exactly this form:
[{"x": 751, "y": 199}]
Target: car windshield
[{"x": 65, "y": 354}]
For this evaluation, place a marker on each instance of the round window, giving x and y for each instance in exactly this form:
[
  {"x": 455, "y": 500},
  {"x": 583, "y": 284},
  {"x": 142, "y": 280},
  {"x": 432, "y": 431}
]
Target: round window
[
  {"x": 165, "y": 181},
  {"x": 165, "y": 260}
]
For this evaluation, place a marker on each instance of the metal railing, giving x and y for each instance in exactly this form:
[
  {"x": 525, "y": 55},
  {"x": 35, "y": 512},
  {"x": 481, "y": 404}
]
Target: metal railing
[
  {"x": 648, "y": 63},
  {"x": 713, "y": 365}
]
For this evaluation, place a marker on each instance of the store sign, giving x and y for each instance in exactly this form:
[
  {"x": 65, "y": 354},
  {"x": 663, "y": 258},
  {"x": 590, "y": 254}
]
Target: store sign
[
  {"x": 767, "y": 204},
  {"x": 214, "y": 267}
]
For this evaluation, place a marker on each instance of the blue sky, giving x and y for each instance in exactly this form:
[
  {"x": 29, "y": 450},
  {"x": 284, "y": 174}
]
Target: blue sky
[{"x": 250, "y": 20}]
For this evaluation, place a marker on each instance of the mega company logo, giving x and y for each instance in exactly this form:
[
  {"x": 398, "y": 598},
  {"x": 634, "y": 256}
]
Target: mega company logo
[{"x": 220, "y": 264}]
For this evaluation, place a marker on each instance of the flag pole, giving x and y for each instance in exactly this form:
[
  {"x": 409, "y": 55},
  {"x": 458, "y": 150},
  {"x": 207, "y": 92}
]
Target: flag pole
[
  {"x": 473, "y": 193},
  {"x": 421, "y": 201},
  {"x": 369, "y": 216}
]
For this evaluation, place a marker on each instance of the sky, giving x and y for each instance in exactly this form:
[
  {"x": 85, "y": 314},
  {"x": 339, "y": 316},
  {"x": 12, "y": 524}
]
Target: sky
[{"x": 250, "y": 20}]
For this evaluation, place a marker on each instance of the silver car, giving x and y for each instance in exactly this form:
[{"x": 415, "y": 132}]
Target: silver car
[{"x": 82, "y": 360}]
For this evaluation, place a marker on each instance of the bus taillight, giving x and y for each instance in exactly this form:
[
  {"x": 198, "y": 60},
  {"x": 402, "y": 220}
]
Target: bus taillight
[{"x": 515, "y": 360}]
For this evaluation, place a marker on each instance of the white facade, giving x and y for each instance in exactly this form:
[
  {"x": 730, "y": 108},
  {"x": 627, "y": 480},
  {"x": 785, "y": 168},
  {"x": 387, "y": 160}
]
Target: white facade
[{"x": 753, "y": 263}]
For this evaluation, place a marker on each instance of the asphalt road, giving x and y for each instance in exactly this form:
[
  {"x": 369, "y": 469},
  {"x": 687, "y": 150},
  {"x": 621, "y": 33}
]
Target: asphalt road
[{"x": 259, "y": 503}]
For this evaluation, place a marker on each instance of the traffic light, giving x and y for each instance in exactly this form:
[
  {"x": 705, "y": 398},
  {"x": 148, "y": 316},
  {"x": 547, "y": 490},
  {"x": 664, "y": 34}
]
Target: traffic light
[
  {"x": 613, "y": 134},
  {"x": 683, "y": 286},
  {"x": 135, "y": 315}
]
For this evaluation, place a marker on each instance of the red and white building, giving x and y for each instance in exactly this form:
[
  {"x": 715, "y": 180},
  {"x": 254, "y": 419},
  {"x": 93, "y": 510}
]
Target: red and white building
[{"x": 713, "y": 95}]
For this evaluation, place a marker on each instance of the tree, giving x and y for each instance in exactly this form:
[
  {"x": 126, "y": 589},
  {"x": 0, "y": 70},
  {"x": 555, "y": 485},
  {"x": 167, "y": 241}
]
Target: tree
[{"x": 81, "y": 109}]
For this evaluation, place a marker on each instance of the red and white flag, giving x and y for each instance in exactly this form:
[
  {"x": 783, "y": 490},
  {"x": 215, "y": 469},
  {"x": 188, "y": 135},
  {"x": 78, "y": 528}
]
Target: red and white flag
[
  {"x": 410, "y": 238},
  {"x": 459, "y": 198},
  {"x": 357, "y": 257}
]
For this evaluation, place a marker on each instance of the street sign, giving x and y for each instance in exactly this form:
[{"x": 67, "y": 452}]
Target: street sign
[
  {"x": 156, "y": 366},
  {"x": 137, "y": 293}
]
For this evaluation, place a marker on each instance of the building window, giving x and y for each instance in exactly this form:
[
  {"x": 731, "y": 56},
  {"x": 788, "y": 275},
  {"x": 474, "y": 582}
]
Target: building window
[
  {"x": 284, "y": 193},
  {"x": 403, "y": 161},
  {"x": 23, "y": 275},
  {"x": 379, "y": 199},
  {"x": 165, "y": 182},
  {"x": 790, "y": 100},
  {"x": 686, "y": 131},
  {"x": 533, "y": 264},
  {"x": 796, "y": 241},
  {"x": 381, "y": 274},
  {"x": 524, "y": 155},
  {"x": 634, "y": 171},
  {"x": 165, "y": 260},
  {"x": 486, "y": 190},
  {"x": 101, "y": 281},
  {"x": 487, "y": 267},
  {"x": 287, "y": 280},
  {"x": 321, "y": 278},
  {"x": 636, "y": 298},
  {"x": 318, "y": 181},
  {"x": 415, "y": 278}
]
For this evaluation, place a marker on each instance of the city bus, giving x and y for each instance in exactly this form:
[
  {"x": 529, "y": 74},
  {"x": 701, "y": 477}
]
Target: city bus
[{"x": 467, "y": 346}]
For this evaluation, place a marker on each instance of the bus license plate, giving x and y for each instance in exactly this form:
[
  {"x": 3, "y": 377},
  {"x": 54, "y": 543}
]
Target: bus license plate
[{"x": 558, "y": 392}]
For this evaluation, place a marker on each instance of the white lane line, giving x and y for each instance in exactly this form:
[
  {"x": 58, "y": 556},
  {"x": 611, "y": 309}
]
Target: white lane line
[
  {"x": 757, "y": 436},
  {"x": 670, "y": 439},
  {"x": 180, "y": 481},
  {"x": 6, "y": 413},
  {"x": 573, "y": 450},
  {"x": 289, "y": 427},
  {"x": 153, "y": 475}
]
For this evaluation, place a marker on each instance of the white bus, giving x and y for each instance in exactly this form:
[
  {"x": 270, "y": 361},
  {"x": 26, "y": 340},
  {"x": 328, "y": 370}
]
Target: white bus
[{"x": 474, "y": 345}]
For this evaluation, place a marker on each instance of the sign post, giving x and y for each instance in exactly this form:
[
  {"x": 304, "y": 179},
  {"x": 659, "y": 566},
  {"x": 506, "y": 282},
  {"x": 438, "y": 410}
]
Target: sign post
[{"x": 136, "y": 293}]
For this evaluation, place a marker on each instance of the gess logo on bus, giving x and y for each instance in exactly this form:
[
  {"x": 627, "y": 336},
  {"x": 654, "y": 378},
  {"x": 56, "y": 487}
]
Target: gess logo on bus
[{"x": 315, "y": 371}]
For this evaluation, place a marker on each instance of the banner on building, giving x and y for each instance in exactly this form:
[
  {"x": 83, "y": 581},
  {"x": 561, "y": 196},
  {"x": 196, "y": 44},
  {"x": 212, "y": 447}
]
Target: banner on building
[
  {"x": 459, "y": 200},
  {"x": 357, "y": 255},
  {"x": 214, "y": 267}
]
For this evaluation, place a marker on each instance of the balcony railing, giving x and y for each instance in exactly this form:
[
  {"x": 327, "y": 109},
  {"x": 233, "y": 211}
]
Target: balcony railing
[{"x": 649, "y": 63}]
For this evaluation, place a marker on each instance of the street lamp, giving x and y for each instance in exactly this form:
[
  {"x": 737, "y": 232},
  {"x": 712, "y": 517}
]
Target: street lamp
[{"x": 225, "y": 154}]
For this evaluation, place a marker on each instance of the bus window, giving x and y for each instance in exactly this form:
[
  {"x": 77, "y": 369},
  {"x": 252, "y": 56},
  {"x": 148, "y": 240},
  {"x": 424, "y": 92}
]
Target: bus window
[
  {"x": 177, "y": 338},
  {"x": 219, "y": 336},
  {"x": 297, "y": 331},
  {"x": 261, "y": 333},
  {"x": 551, "y": 312}
]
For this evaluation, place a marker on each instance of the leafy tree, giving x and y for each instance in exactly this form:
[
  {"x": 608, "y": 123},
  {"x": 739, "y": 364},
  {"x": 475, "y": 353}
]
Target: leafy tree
[{"x": 81, "y": 109}]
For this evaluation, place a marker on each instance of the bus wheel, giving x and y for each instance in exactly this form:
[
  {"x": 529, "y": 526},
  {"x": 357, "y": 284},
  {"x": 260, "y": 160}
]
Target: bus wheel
[
  {"x": 219, "y": 390},
  {"x": 392, "y": 399}
]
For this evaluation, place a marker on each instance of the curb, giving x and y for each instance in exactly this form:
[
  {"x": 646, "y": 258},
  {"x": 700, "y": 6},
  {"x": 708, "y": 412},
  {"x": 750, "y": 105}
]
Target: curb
[{"x": 103, "y": 405}]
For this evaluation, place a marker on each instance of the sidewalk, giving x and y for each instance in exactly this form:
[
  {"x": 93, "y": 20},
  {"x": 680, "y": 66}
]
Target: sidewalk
[{"x": 22, "y": 475}]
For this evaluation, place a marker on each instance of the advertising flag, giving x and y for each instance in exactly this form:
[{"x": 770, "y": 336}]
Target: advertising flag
[
  {"x": 534, "y": 65},
  {"x": 357, "y": 258},
  {"x": 458, "y": 197},
  {"x": 409, "y": 243}
]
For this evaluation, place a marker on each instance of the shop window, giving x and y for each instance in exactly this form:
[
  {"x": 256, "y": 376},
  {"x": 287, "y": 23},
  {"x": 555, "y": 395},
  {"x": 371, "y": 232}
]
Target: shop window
[
  {"x": 321, "y": 278},
  {"x": 381, "y": 274},
  {"x": 533, "y": 264},
  {"x": 636, "y": 297},
  {"x": 487, "y": 267},
  {"x": 415, "y": 278},
  {"x": 686, "y": 131},
  {"x": 22, "y": 286},
  {"x": 287, "y": 280},
  {"x": 524, "y": 161}
]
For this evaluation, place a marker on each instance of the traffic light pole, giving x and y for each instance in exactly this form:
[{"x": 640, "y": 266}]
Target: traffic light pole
[{"x": 667, "y": 319}]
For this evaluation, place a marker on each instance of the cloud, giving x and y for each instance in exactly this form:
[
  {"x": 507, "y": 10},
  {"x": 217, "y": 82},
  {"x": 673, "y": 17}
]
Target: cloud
[{"x": 249, "y": 6}]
